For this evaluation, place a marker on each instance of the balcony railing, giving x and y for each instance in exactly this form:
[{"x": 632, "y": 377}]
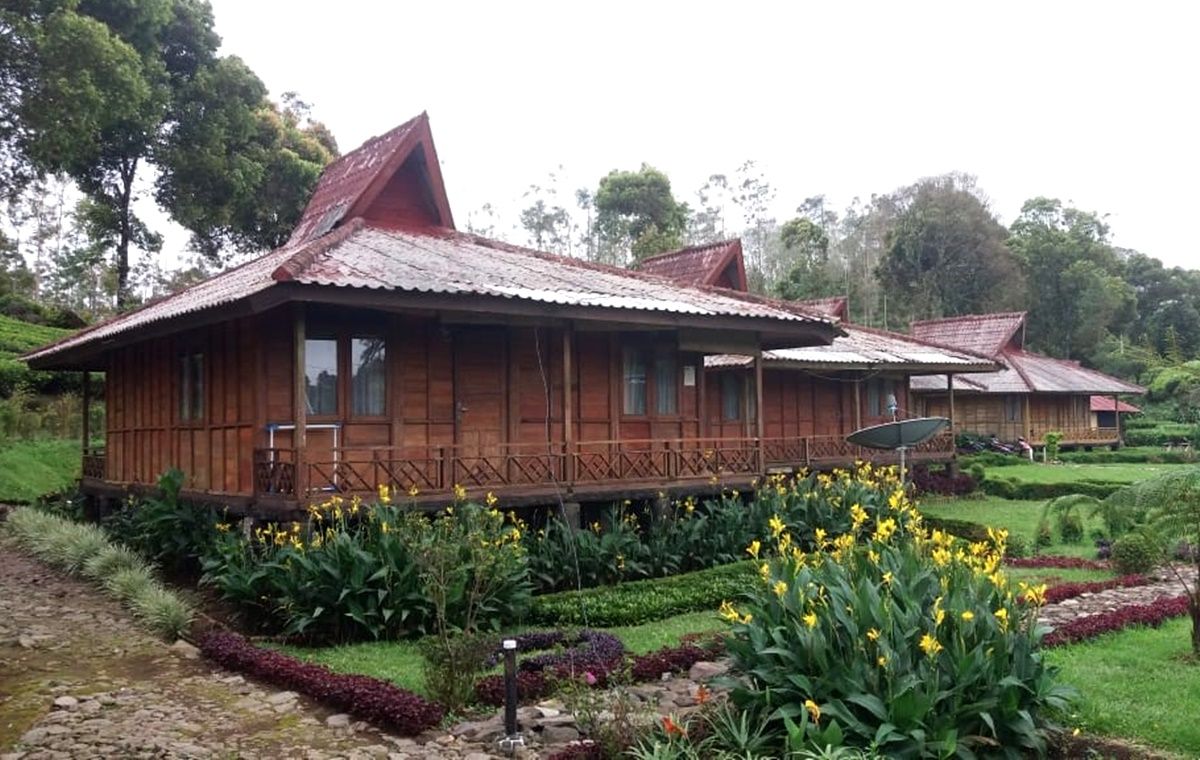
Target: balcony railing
[
  {"x": 95, "y": 463},
  {"x": 1076, "y": 435},
  {"x": 583, "y": 465}
]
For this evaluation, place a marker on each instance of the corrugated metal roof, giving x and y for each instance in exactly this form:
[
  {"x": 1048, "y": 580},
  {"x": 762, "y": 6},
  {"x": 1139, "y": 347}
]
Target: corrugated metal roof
[
  {"x": 442, "y": 261},
  {"x": 985, "y": 334},
  {"x": 864, "y": 348},
  {"x": 1026, "y": 372},
  {"x": 1105, "y": 404},
  {"x": 695, "y": 265}
]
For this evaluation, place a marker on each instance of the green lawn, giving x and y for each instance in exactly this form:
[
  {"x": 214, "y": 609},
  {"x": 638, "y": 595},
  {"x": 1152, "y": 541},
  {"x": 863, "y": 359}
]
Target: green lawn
[
  {"x": 1018, "y": 517},
  {"x": 1137, "y": 684},
  {"x": 29, "y": 469},
  {"x": 400, "y": 662},
  {"x": 1066, "y": 473}
]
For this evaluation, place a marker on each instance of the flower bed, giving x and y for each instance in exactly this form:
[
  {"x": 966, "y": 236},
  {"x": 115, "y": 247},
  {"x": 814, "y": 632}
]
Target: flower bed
[
  {"x": 1065, "y": 591},
  {"x": 1153, "y": 615},
  {"x": 1057, "y": 561},
  {"x": 362, "y": 696}
]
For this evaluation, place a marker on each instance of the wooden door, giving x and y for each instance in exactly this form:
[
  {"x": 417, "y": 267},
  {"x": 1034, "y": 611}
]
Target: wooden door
[{"x": 479, "y": 392}]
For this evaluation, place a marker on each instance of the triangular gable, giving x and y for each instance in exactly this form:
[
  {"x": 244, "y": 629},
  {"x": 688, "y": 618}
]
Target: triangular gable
[
  {"x": 837, "y": 306},
  {"x": 986, "y": 334},
  {"x": 717, "y": 265},
  {"x": 392, "y": 178}
]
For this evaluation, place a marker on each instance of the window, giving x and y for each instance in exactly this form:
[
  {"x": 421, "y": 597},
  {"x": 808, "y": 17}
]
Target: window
[
  {"x": 879, "y": 396},
  {"x": 1012, "y": 408},
  {"x": 368, "y": 376},
  {"x": 731, "y": 396},
  {"x": 634, "y": 381},
  {"x": 666, "y": 383},
  {"x": 191, "y": 387},
  {"x": 320, "y": 375}
]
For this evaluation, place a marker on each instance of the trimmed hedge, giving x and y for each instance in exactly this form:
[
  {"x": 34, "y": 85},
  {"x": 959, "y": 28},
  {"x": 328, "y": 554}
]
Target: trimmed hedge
[
  {"x": 643, "y": 601},
  {"x": 368, "y": 698},
  {"x": 1129, "y": 456},
  {"x": 1008, "y": 488},
  {"x": 964, "y": 529},
  {"x": 1153, "y": 615},
  {"x": 1065, "y": 591}
]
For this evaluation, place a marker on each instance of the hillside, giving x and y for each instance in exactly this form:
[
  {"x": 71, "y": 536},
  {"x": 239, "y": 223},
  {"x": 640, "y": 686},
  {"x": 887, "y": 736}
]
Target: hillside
[{"x": 17, "y": 338}]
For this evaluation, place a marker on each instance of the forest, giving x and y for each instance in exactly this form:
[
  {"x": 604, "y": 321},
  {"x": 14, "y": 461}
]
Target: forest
[{"x": 108, "y": 110}]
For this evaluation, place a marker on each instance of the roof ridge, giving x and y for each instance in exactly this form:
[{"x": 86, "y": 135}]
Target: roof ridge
[
  {"x": 689, "y": 249},
  {"x": 308, "y": 252},
  {"x": 967, "y": 317},
  {"x": 919, "y": 341}
]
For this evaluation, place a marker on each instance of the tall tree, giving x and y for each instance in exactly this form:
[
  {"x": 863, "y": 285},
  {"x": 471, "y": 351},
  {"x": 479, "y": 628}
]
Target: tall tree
[
  {"x": 753, "y": 195},
  {"x": 947, "y": 254},
  {"x": 116, "y": 91},
  {"x": 807, "y": 247},
  {"x": 1076, "y": 293},
  {"x": 636, "y": 211}
]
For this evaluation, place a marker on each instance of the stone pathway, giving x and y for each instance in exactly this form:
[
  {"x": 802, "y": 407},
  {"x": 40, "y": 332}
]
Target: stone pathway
[
  {"x": 79, "y": 679},
  {"x": 1163, "y": 583}
]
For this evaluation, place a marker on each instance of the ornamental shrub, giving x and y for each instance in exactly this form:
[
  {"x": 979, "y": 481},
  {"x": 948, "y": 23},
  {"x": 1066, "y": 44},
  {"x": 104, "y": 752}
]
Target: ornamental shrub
[
  {"x": 166, "y": 530},
  {"x": 913, "y": 650},
  {"x": 1136, "y": 553}
]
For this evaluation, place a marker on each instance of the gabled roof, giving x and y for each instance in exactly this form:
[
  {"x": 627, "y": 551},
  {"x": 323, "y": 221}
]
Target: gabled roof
[
  {"x": 837, "y": 306},
  {"x": 985, "y": 334},
  {"x": 718, "y": 263},
  {"x": 863, "y": 348},
  {"x": 349, "y": 185},
  {"x": 1105, "y": 404},
  {"x": 1027, "y": 372}
]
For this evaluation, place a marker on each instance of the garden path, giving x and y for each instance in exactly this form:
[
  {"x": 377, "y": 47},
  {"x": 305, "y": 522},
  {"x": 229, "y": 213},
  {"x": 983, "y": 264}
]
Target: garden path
[
  {"x": 1163, "y": 584},
  {"x": 79, "y": 679}
]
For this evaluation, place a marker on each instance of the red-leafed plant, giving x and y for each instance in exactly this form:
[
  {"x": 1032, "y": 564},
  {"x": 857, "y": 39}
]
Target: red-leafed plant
[
  {"x": 368, "y": 698},
  {"x": 1065, "y": 591},
  {"x": 1153, "y": 615},
  {"x": 1056, "y": 561}
]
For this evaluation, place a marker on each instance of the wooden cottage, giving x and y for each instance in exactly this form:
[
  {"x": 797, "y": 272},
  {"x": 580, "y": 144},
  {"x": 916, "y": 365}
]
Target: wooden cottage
[
  {"x": 814, "y": 396},
  {"x": 380, "y": 346},
  {"x": 1029, "y": 396}
]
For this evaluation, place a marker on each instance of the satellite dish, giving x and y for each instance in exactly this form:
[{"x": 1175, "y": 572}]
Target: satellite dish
[{"x": 898, "y": 436}]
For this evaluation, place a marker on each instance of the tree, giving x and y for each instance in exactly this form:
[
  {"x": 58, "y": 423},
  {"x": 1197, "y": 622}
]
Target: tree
[
  {"x": 807, "y": 247},
  {"x": 636, "y": 211},
  {"x": 947, "y": 255},
  {"x": 546, "y": 222},
  {"x": 115, "y": 89},
  {"x": 708, "y": 224},
  {"x": 753, "y": 194},
  {"x": 1076, "y": 293}
]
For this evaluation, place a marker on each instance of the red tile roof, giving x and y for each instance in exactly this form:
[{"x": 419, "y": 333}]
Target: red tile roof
[
  {"x": 982, "y": 333},
  {"x": 697, "y": 264},
  {"x": 1027, "y": 372},
  {"x": 1105, "y": 404},
  {"x": 837, "y": 306},
  {"x": 333, "y": 246}
]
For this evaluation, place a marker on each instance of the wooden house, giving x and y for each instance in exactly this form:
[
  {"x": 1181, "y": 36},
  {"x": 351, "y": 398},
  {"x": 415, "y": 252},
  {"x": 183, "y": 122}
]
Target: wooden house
[
  {"x": 1028, "y": 397},
  {"x": 814, "y": 396},
  {"x": 380, "y": 346},
  {"x": 1107, "y": 411}
]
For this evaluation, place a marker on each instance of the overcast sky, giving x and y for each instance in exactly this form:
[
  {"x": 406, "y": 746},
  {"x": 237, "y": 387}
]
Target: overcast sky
[{"x": 1095, "y": 103}]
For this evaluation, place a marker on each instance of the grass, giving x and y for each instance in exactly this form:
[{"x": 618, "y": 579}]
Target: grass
[
  {"x": 1018, "y": 517},
  {"x": 1067, "y": 473},
  {"x": 400, "y": 661},
  {"x": 1137, "y": 684},
  {"x": 29, "y": 469}
]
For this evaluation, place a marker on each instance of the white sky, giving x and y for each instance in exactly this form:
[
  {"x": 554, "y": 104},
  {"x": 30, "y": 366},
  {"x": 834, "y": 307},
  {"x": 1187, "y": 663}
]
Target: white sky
[{"x": 1094, "y": 103}]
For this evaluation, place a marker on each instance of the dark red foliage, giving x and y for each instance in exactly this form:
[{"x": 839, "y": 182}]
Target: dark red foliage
[
  {"x": 652, "y": 666},
  {"x": 531, "y": 685},
  {"x": 368, "y": 698},
  {"x": 1071, "y": 590},
  {"x": 1056, "y": 561},
  {"x": 1153, "y": 614},
  {"x": 942, "y": 482},
  {"x": 581, "y": 751}
]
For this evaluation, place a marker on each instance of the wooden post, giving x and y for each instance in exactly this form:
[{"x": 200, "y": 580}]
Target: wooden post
[
  {"x": 858, "y": 402},
  {"x": 701, "y": 397},
  {"x": 1116, "y": 418},
  {"x": 568, "y": 404},
  {"x": 759, "y": 416},
  {"x": 300, "y": 402},
  {"x": 950, "y": 391},
  {"x": 86, "y": 426},
  {"x": 1028, "y": 421}
]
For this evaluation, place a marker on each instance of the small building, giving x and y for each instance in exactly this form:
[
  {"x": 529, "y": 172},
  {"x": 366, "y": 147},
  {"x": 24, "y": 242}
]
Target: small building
[
  {"x": 814, "y": 396},
  {"x": 1105, "y": 410},
  {"x": 1030, "y": 395},
  {"x": 382, "y": 347}
]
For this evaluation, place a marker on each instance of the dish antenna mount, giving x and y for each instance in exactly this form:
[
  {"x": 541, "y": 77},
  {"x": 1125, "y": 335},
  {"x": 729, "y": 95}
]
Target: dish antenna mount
[{"x": 898, "y": 435}]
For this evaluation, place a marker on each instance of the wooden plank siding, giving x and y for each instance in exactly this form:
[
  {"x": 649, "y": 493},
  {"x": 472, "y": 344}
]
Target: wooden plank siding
[{"x": 1031, "y": 416}]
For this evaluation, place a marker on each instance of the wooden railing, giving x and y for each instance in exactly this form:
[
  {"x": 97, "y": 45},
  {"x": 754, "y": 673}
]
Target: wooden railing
[
  {"x": 1075, "y": 435},
  {"x": 95, "y": 463},
  {"x": 586, "y": 464}
]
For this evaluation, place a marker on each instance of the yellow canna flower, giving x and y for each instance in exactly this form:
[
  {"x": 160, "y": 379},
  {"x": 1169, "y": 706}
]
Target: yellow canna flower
[
  {"x": 490, "y": 499},
  {"x": 1002, "y": 616},
  {"x": 460, "y": 492},
  {"x": 883, "y": 661},
  {"x": 754, "y": 548},
  {"x": 819, "y": 536},
  {"x": 930, "y": 645},
  {"x": 810, "y": 620},
  {"x": 776, "y": 525},
  {"x": 385, "y": 494},
  {"x": 873, "y": 634},
  {"x": 968, "y": 616},
  {"x": 887, "y": 578},
  {"x": 814, "y": 711},
  {"x": 858, "y": 515},
  {"x": 384, "y": 527},
  {"x": 412, "y": 491},
  {"x": 764, "y": 570},
  {"x": 728, "y": 612},
  {"x": 780, "y": 588}
]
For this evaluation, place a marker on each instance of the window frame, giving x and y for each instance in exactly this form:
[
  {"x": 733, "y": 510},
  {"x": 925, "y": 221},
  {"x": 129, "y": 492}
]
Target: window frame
[
  {"x": 353, "y": 335},
  {"x": 732, "y": 386},
  {"x": 185, "y": 412},
  {"x": 650, "y": 354},
  {"x": 338, "y": 366}
]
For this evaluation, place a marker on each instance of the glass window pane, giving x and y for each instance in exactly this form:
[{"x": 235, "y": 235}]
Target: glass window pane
[
  {"x": 320, "y": 375},
  {"x": 731, "y": 396},
  {"x": 368, "y": 376},
  {"x": 197, "y": 387},
  {"x": 874, "y": 400},
  {"x": 185, "y": 388},
  {"x": 666, "y": 384},
  {"x": 635, "y": 382}
]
